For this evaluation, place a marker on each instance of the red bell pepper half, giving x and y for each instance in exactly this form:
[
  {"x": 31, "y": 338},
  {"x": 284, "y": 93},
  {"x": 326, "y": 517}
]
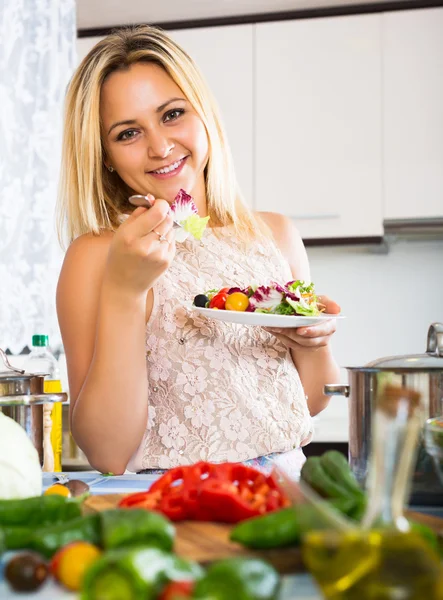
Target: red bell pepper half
[{"x": 226, "y": 492}]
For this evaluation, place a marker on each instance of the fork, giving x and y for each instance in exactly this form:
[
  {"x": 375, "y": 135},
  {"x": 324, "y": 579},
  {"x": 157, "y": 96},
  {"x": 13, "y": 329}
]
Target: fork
[{"x": 139, "y": 200}]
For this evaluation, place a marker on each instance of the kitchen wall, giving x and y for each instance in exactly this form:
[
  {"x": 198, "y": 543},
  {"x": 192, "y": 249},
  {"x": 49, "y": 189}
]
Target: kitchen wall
[{"x": 389, "y": 300}]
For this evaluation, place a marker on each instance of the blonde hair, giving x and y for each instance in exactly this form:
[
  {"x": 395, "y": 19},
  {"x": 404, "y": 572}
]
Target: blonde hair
[{"x": 91, "y": 198}]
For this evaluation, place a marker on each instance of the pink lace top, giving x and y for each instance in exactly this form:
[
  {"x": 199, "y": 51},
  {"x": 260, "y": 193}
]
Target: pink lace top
[{"x": 217, "y": 391}]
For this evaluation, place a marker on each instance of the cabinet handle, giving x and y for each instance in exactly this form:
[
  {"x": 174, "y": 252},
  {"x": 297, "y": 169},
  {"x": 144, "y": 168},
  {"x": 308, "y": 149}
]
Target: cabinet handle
[{"x": 318, "y": 216}]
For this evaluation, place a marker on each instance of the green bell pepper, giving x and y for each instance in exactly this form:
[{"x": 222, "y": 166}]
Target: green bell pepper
[
  {"x": 315, "y": 475},
  {"x": 135, "y": 573},
  {"x": 136, "y": 526},
  {"x": 47, "y": 540},
  {"x": 273, "y": 530},
  {"x": 428, "y": 534},
  {"x": 336, "y": 466},
  {"x": 238, "y": 579},
  {"x": 16, "y": 538},
  {"x": 38, "y": 511},
  {"x": 108, "y": 529},
  {"x": 285, "y": 527}
]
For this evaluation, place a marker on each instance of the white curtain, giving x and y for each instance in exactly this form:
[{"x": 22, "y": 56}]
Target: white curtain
[{"x": 37, "y": 58}]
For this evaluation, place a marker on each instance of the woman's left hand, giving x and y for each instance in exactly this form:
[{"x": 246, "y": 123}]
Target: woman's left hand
[{"x": 311, "y": 337}]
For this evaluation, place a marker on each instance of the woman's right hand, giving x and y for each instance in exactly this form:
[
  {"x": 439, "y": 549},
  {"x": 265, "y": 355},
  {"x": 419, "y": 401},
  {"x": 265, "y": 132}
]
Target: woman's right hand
[{"x": 137, "y": 256}]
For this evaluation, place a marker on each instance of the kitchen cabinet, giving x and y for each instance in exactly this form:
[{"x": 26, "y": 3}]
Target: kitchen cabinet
[
  {"x": 225, "y": 57},
  {"x": 318, "y": 124},
  {"x": 413, "y": 113}
]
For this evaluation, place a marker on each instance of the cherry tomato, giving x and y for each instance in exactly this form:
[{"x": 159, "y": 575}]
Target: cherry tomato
[
  {"x": 70, "y": 563},
  {"x": 219, "y": 300},
  {"x": 237, "y": 301},
  {"x": 176, "y": 590},
  {"x": 59, "y": 490},
  {"x": 26, "y": 572}
]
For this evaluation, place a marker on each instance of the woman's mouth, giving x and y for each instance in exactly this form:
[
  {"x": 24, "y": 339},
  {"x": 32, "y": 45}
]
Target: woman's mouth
[{"x": 170, "y": 170}]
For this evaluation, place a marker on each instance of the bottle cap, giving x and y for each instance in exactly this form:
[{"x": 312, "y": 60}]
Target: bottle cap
[{"x": 40, "y": 340}]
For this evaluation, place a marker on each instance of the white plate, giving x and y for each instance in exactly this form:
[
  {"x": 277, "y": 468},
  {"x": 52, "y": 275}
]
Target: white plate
[{"x": 262, "y": 319}]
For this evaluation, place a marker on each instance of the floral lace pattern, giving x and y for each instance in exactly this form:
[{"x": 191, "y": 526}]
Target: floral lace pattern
[{"x": 217, "y": 391}]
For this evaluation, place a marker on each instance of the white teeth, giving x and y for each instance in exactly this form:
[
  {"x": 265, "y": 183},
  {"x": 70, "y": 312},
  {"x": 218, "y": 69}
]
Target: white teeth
[{"x": 170, "y": 168}]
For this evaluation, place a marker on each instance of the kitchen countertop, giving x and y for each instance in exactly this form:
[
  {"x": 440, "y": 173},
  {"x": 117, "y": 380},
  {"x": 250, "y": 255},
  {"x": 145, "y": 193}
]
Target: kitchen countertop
[{"x": 297, "y": 587}]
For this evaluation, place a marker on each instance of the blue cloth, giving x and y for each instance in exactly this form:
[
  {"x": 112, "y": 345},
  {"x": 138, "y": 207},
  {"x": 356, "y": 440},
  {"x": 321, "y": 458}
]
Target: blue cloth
[
  {"x": 291, "y": 462},
  {"x": 104, "y": 484}
]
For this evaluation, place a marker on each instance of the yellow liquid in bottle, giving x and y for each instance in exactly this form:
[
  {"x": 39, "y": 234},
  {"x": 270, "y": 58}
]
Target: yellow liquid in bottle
[
  {"x": 382, "y": 564},
  {"x": 54, "y": 386}
]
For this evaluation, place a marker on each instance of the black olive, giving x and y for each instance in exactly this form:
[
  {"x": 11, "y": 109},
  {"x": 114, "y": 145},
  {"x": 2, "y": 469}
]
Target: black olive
[
  {"x": 201, "y": 300},
  {"x": 26, "y": 572},
  {"x": 77, "y": 487}
]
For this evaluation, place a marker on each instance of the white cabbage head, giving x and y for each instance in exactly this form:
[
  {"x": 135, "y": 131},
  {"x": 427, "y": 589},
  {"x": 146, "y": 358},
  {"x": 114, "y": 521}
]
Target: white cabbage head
[{"x": 20, "y": 471}]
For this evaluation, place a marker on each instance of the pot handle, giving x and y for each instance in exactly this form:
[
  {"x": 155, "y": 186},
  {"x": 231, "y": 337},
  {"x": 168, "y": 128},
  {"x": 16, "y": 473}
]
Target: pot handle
[
  {"x": 435, "y": 339},
  {"x": 336, "y": 389},
  {"x": 7, "y": 363}
]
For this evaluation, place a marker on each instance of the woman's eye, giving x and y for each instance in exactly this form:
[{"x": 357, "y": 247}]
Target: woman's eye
[
  {"x": 129, "y": 134},
  {"x": 172, "y": 115}
]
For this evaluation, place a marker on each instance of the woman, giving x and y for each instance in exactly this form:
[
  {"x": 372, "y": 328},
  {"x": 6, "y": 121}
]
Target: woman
[{"x": 151, "y": 384}]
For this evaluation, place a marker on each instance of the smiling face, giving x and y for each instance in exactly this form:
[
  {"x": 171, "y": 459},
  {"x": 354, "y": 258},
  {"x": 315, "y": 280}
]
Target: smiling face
[{"x": 152, "y": 136}]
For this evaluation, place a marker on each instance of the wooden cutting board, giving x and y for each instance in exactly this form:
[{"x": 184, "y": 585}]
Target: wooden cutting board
[{"x": 207, "y": 542}]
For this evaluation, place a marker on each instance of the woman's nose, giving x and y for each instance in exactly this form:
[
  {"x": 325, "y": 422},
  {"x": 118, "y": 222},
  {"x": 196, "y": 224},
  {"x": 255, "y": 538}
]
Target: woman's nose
[{"x": 159, "y": 146}]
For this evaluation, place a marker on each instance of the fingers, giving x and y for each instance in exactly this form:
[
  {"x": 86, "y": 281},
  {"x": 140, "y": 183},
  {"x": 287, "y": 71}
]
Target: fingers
[
  {"x": 160, "y": 240},
  {"x": 143, "y": 221},
  {"x": 324, "y": 328},
  {"x": 330, "y": 307},
  {"x": 163, "y": 233},
  {"x": 295, "y": 341},
  {"x": 314, "y": 336}
]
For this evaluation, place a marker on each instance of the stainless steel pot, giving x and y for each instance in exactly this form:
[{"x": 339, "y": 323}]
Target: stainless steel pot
[
  {"x": 15, "y": 382},
  {"x": 421, "y": 372},
  {"x": 22, "y": 398}
]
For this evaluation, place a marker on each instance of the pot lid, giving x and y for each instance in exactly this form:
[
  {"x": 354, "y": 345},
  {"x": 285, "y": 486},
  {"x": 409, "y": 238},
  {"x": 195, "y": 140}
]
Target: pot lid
[
  {"x": 8, "y": 376},
  {"x": 14, "y": 374},
  {"x": 432, "y": 359}
]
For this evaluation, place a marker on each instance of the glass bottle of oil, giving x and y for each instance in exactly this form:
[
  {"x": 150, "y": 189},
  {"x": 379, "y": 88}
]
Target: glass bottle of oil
[
  {"x": 384, "y": 559},
  {"x": 41, "y": 360}
]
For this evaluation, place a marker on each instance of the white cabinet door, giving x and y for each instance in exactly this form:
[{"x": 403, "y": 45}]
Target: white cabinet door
[
  {"x": 318, "y": 124},
  {"x": 413, "y": 113},
  {"x": 224, "y": 55}
]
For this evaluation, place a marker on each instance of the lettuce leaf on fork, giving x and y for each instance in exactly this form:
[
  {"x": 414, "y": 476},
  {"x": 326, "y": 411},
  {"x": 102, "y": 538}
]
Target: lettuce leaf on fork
[{"x": 185, "y": 213}]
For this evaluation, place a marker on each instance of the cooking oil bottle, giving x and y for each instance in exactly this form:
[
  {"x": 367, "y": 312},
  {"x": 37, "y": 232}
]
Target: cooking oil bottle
[
  {"x": 41, "y": 360},
  {"x": 384, "y": 559}
]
